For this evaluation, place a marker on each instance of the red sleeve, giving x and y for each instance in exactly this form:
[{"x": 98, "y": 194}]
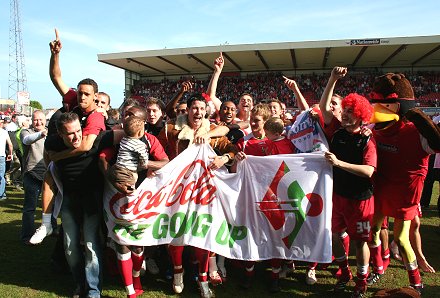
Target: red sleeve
[
  {"x": 109, "y": 154},
  {"x": 156, "y": 149},
  {"x": 94, "y": 124},
  {"x": 370, "y": 154},
  {"x": 239, "y": 144},
  {"x": 70, "y": 98},
  {"x": 330, "y": 129}
]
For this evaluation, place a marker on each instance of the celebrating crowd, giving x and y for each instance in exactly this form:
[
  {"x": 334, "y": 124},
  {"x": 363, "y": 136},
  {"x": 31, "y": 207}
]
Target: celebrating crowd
[{"x": 86, "y": 147}]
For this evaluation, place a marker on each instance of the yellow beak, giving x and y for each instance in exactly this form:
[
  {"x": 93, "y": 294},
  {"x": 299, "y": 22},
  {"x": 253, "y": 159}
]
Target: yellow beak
[{"x": 382, "y": 114}]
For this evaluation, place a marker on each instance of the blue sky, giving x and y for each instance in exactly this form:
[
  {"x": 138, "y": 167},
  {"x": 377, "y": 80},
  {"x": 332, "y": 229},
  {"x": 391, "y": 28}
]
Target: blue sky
[{"x": 88, "y": 28}]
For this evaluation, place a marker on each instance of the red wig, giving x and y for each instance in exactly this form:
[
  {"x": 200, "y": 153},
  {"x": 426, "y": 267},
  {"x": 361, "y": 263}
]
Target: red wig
[{"x": 362, "y": 109}]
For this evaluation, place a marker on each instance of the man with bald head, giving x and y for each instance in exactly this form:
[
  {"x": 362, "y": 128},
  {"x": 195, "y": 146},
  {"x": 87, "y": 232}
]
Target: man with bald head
[{"x": 34, "y": 169}]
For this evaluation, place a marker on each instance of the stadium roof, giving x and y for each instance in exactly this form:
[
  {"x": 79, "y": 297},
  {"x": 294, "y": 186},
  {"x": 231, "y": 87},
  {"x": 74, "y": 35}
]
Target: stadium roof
[{"x": 399, "y": 52}]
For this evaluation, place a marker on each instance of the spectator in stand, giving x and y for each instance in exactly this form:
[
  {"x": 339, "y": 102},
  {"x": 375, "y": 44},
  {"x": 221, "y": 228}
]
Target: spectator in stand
[{"x": 176, "y": 137}]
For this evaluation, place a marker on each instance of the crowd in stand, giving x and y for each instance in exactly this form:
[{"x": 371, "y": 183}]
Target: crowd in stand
[{"x": 263, "y": 86}]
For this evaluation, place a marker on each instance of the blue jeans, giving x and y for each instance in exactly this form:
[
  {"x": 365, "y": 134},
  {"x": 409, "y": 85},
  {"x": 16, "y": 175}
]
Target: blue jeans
[
  {"x": 32, "y": 190},
  {"x": 85, "y": 263},
  {"x": 2, "y": 176}
]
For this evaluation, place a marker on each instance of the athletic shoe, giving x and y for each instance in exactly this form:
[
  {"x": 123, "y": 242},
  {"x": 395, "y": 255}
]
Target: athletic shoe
[
  {"x": 311, "y": 277},
  {"x": 419, "y": 288},
  {"x": 342, "y": 282},
  {"x": 40, "y": 234},
  {"x": 373, "y": 278},
  {"x": 286, "y": 270},
  {"x": 205, "y": 291},
  {"x": 178, "y": 283},
  {"x": 3, "y": 198},
  {"x": 151, "y": 266},
  {"x": 215, "y": 278}
]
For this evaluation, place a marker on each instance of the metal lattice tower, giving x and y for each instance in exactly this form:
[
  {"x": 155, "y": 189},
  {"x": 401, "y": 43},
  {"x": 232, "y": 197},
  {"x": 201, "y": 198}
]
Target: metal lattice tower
[{"x": 17, "y": 71}]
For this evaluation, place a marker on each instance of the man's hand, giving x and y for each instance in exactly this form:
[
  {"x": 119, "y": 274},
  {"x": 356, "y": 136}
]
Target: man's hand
[
  {"x": 240, "y": 156},
  {"x": 55, "y": 45},
  {"x": 202, "y": 139},
  {"x": 331, "y": 158},
  {"x": 219, "y": 63},
  {"x": 103, "y": 112},
  {"x": 186, "y": 86},
  {"x": 338, "y": 72},
  {"x": 9, "y": 157},
  {"x": 291, "y": 84},
  {"x": 218, "y": 162},
  {"x": 124, "y": 188}
]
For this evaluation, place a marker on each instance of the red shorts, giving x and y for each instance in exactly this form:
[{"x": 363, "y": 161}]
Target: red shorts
[{"x": 353, "y": 216}]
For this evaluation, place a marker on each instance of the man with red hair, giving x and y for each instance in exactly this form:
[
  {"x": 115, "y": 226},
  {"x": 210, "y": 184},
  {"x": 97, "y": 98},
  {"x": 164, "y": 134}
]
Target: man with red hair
[{"x": 353, "y": 156}]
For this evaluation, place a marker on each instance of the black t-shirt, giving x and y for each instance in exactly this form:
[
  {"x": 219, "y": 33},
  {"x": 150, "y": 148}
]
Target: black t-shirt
[
  {"x": 81, "y": 172},
  {"x": 52, "y": 126},
  {"x": 154, "y": 129}
]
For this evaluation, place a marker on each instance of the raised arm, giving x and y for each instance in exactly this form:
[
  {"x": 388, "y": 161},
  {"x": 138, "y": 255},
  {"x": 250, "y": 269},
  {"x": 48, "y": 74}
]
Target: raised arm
[
  {"x": 212, "y": 87},
  {"x": 300, "y": 100},
  {"x": 171, "y": 106},
  {"x": 54, "y": 65},
  {"x": 324, "y": 104}
]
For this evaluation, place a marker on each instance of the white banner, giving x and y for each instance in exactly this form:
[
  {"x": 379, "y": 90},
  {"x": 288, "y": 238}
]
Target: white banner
[{"x": 274, "y": 207}]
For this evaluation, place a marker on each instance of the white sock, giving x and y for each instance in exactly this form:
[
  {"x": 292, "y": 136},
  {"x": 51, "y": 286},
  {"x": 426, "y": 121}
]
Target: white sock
[
  {"x": 47, "y": 219},
  {"x": 212, "y": 264}
]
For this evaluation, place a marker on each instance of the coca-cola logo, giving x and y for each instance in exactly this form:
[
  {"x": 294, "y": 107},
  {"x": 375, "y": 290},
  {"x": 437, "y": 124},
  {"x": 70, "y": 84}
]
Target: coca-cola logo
[{"x": 192, "y": 185}]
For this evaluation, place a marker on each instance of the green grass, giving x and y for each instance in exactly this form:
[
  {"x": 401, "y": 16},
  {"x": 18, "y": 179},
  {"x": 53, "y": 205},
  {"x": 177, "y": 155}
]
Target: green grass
[{"x": 25, "y": 271}]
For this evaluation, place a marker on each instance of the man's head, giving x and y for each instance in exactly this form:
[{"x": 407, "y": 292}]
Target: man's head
[
  {"x": 227, "y": 112},
  {"x": 87, "y": 94},
  {"x": 275, "y": 107},
  {"x": 136, "y": 111},
  {"x": 196, "y": 107},
  {"x": 134, "y": 127},
  {"x": 356, "y": 111},
  {"x": 181, "y": 108},
  {"x": 38, "y": 120},
  {"x": 245, "y": 104},
  {"x": 69, "y": 129},
  {"x": 155, "y": 110},
  {"x": 103, "y": 101},
  {"x": 273, "y": 128},
  {"x": 128, "y": 103},
  {"x": 335, "y": 106},
  {"x": 259, "y": 115}
]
